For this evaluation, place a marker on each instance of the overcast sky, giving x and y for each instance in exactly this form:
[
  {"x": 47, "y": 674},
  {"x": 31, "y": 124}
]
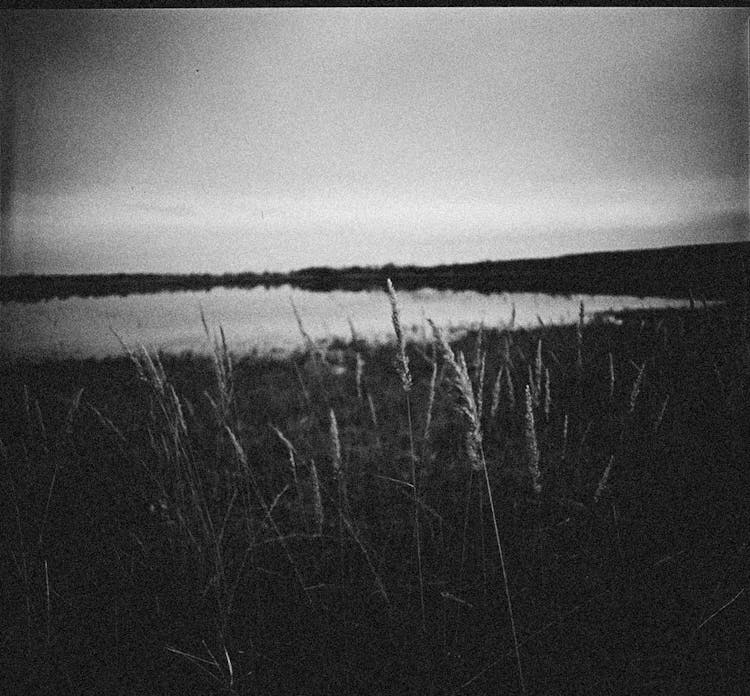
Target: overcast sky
[{"x": 229, "y": 140}]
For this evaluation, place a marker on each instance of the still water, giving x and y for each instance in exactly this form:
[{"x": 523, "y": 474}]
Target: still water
[{"x": 261, "y": 319}]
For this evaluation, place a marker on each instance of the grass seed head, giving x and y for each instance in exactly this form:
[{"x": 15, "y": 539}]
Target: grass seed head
[
  {"x": 539, "y": 369},
  {"x": 604, "y": 479},
  {"x": 532, "y": 449},
  {"x": 431, "y": 399},
  {"x": 480, "y": 385},
  {"x": 335, "y": 443},
  {"x": 511, "y": 389},
  {"x": 478, "y": 349},
  {"x": 466, "y": 403},
  {"x": 317, "y": 499},
  {"x": 531, "y": 382},
  {"x": 496, "y": 392},
  {"x": 636, "y": 389},
  {"x": 402, "y": 363}
]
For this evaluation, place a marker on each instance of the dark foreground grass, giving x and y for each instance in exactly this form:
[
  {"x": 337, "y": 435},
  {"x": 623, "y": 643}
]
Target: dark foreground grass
[{"x": 160, "y": 537}]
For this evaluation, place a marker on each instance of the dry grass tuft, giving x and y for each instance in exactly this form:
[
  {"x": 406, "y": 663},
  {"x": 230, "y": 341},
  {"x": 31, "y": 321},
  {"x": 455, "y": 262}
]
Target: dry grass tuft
[{"x": 466, "y": 403}]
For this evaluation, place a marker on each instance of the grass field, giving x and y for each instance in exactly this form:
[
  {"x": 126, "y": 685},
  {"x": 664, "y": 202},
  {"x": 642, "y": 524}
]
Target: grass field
[{"x": 355, "y": 519}]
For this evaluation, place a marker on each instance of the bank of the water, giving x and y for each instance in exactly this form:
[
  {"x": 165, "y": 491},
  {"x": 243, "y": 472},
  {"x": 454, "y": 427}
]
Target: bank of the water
[{"x": 263, "y": 320}]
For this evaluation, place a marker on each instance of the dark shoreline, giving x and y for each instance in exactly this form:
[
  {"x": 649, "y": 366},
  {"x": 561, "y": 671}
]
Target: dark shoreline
[
  {"x": 283, "y": 357},
  {"x": 710, "y": 271}
]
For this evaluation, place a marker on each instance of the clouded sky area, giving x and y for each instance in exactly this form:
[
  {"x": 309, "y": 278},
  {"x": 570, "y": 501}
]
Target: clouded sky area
[{"x": 273, "y": 139}]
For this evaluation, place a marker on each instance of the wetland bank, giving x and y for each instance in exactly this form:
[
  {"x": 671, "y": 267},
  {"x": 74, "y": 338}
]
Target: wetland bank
[{"x": 229, "y": 524}]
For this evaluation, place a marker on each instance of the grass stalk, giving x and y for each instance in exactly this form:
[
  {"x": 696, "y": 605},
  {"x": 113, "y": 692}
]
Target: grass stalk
[
  {"x": 506, "y": 584},
  {"x": 335, "y": 445},
  {"x": 430, "y": 402},
  {"x": 496, "y": 392},
  {"x": 467, "y": 406},
  {"x": 358, "y": 374},
  {"x": 532, "y": 449},
  {"x": 538, "y": 373},
  {"x": 579, "y": 344},
  {"x": 317, "y": 499},
  {"x": 402, "y": 365}
]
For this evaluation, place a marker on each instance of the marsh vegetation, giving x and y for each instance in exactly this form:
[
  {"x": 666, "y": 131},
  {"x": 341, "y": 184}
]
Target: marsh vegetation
[{"x": 552, "y": 510}]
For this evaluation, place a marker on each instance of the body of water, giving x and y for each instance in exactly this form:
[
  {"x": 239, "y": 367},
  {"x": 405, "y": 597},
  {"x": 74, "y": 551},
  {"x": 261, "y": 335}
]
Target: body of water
[{"x": 262, "y": 319}]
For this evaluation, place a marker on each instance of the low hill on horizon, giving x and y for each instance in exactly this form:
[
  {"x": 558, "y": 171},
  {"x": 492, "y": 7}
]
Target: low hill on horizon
[{"x": 710, "y": 271}]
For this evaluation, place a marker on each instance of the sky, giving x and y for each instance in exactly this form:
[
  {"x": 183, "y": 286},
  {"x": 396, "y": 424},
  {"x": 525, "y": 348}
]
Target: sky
[{"x": 180, "y": 141}]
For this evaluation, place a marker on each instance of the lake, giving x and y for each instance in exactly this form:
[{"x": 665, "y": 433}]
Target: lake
[{"x": 261, "y": 319}]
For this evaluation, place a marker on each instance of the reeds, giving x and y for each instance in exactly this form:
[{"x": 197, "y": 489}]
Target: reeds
[
  {"x": 466, "y": 404},
  {"x": 539, "y": 367},
  {"x": 224, "y": 532},
  {"x": 579, "y": 343},
  {"x": 224, "y": 374},
  {"x": 495, "y": 404},
  {"x": 636, "y": 390},
  {"x": 314, "y": 350},
  {"x": 402, "y": 360},
  {"x": 532, "y": 449},
  {"x": 317, "y": 499},
  {"x": 660, "y": 416},
  {"x": 479, "y": 390},
  {"x": 291, "y": 451},
  {"x": 510, "y": 387},
  {"x": 402, "y": 365},
  {"x": 430, "y": 401},
  {"x": 333, "y": 429},
  {"x": 311, "y": 346},
  {"x": 358, "y": 374},
  {"x": 254, "y": 487},
  {"x": 604, "y": 480}
]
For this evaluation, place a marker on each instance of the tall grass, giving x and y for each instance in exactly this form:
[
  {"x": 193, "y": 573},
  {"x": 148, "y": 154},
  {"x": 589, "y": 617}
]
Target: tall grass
[
  {"x": 235, "y": 524},
  {"x": 467, "y": 406},
  {"x": 402, "y": 365}
]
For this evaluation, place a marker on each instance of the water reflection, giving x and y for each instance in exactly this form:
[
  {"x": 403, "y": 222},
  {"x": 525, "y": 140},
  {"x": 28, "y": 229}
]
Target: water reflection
[{"x": 262, "y": 318}]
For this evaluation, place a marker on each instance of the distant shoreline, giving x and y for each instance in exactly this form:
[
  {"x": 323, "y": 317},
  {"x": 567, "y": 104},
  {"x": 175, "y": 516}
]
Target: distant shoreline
[{"x": 710, "y": 271}]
